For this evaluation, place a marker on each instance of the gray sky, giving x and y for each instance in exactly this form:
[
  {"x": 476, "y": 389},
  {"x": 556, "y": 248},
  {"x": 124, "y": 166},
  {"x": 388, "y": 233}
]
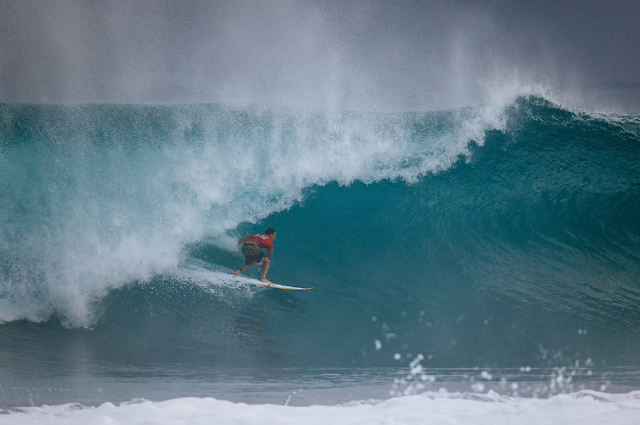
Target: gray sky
[{"x": 368, "y": 54}]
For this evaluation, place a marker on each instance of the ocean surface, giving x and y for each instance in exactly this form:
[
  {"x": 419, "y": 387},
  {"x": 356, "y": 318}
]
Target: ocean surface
[{"x": 478, "y": 265}]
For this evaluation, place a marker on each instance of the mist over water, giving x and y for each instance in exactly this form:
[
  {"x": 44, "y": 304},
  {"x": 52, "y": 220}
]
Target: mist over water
[{"x": 371, "y": 56}]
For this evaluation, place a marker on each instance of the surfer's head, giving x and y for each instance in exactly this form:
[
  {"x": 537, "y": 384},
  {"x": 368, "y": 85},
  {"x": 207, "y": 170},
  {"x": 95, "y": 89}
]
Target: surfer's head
[{"x": 271, "y": 233}]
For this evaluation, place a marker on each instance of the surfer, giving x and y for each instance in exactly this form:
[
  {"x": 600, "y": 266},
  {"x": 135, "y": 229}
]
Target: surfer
[{"x": 252, "y": 249}]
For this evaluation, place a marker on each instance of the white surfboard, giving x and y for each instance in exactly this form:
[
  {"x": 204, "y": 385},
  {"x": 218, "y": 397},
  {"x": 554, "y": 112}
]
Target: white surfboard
[
  {"x": 252, "y": 281},
  {"x": 275, "y": 285}
]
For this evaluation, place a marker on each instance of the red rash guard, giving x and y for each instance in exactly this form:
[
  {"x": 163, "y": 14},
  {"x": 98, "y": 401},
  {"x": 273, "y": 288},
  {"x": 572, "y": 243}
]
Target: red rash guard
[{"x": 263, "y": 241}]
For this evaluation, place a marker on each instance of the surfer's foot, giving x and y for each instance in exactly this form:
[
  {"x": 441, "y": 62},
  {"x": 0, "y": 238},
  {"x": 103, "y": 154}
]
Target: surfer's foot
[
  {"x": 265, "y": 280},
  {"x": 237, "y": 272}
]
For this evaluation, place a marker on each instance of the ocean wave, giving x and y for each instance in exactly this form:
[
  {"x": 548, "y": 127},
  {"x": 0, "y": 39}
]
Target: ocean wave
[{"x": 100, "y": 196}]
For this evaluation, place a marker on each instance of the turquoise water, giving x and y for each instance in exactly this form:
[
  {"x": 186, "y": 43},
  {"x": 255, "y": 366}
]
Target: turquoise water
[{"x": 501, "y": 239}]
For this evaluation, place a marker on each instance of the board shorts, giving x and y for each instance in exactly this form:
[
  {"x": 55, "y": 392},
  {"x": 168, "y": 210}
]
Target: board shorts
[{"x": 252, "y": 252}]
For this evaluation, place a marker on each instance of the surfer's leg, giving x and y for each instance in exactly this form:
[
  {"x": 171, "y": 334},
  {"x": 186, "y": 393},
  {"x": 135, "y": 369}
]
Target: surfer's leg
[
  {"x": 265, "y": 269},
  {"x": 245, "y": 267}
]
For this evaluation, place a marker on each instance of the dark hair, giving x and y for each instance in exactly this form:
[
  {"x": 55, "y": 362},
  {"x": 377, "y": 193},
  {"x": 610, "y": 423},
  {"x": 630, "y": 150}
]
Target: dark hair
[{"x": 269, "y": 231}]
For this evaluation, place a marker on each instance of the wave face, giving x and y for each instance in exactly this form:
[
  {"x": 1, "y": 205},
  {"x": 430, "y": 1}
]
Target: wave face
[{"x": 503, "y": 235}]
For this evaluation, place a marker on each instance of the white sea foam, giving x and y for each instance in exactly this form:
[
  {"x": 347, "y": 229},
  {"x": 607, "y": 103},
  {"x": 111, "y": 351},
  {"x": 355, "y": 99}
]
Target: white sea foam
[{"x": 582, "y": 408}]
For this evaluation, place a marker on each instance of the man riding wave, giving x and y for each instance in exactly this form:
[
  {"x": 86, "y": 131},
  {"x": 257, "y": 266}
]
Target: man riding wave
[{"x": 252, "y": 249}]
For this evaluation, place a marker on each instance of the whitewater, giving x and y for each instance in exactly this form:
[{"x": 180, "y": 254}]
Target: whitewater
[
  {"x": 428, "y": 408},
  {"x": 476, "y": 265}
]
